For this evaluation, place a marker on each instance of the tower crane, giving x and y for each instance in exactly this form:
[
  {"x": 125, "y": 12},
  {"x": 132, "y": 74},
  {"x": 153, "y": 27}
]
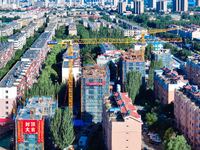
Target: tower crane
[{"x": 70, "y": 43}]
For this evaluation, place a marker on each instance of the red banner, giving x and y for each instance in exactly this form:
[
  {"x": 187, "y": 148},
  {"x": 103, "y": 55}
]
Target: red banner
[
  {"x": 95, "y": 83},
  {"x": 30, "y": 126},
  {"x": 40, "y": 131},
  {"x": 20, "y": 136}
]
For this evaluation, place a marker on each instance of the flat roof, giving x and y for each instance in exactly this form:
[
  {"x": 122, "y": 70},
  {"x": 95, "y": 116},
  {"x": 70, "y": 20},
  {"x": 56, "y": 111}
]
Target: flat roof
[{"x": 41, "y": 41}]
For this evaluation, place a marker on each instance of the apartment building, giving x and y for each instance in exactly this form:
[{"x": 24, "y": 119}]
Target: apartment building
[
  {"x": 161, "y": 6},
  {"x": 6, "y": 53},
  {"x": 32, "y": 121},
  {"x": 163, "y": 55},
  {"x": 122, "y": 125},
  {"x": 193, "y": 69},
  {"x": 131, "y": 60},
  {"x": 72, "y": 29},
  {"x": 166, "y": 81},
  {"x": 29, "y": 30},
  {"x": 94, "y": 85},
  {"x": 106, "y": 47},
  {"x": 121, "y": 7},
  {"x": 76, "y": 70},
  {"x": 187, "y": 113},
  {"x": 180, "y": 5},
  {"x": 6, "y": 31},
  {"x": 18, "y": 40},
  {"x": 12, "y": 86},
  {"x": 138, "y": 7},
  {"x": 52, "y": 27}
]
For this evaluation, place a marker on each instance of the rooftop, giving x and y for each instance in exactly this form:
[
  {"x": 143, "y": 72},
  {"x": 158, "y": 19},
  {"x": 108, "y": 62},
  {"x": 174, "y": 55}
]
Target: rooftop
[
  {"x": 37, "y": 108},
  {"x": 4, "y": 46},
  {"x": 162, "y": 51},
  {"x": 119, "y": 106},
  {"x": 42, "y": 40},
  {"x": 195, "y": 58},
  {"x": 31, "y": 54},
  {"x": 170, "y": 76},
  {"x": 94, "y": 71},
  {"x": 133, "y": 56},
  {"x": 16, "y": 36},
  {"x": 192, "y": 92},
  {"x": 107, "y": 47},
  {"x": 15, "y": 75}
]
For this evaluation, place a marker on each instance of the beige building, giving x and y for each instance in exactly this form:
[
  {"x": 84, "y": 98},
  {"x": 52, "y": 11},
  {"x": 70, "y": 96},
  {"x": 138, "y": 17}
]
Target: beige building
[
  {"x": 121, "y": 123},
  {"x": 198, "y": 3},
  {"x": 166, "y": 82},
  {"x": 187, "y": 113},
  {"x": 138, "y": 7},
  {"x": 180, "y": 5}
]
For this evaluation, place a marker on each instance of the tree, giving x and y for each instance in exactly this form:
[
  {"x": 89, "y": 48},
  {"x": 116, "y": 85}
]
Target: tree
[
  {"x": 133, "y": 84},
  {"x": 169, "y": 133},
  {"x": 61, "y": 128},
  {"x": 148, "y": 50},
  {"x": 153, "y": 66},
  {"x": 177, "y": 143},
  {"x": 151, "y": 118}
]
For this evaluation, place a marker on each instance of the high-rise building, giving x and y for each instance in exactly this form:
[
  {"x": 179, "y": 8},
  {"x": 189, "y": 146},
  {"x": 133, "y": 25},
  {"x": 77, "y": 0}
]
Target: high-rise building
[
  {"x": 122, "y": 125},
  {"x": 180, "y": 5},
  {"x": 32, "y": 120},
  {"x": 152, "y": 4},
  {"x": 187, "y": 113},
  {"x": 138, "y": 6},
  {"x": 131, "y": 61},
  {"x": 95, "y": 84},
  {"x": 161, "y": 6},
  {"x": 198, "y": 3},
  {"x": 121, "y": 7},
  {"x": 60, "y": 3},
  {"x": 115, "y": 3}
]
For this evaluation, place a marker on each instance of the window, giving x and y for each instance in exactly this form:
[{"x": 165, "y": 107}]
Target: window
[
  {"x": 6, "y": 107},
  {"x": 6, "y": 102},
  {"x": 6, "y": 113},
  {"x": 6, "y": 91},
  {"x": 6, "y": 97}
]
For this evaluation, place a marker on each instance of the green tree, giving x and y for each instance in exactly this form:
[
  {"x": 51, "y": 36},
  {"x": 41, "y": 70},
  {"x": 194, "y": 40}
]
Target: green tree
[
  {"x": 177, "y": 143},
  {"x": 169, "y": 133},
  {"x": 148, "y": 51},
  {"x": 151, "y": 118},
  {"x": 62, "y": 129},
  {"x": 133, "y": 84},
  {"x": 153, "y": 66}
]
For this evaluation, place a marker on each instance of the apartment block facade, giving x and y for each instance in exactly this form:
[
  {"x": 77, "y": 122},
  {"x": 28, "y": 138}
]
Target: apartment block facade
[
  {"x": 166, "y": 81},
  {"x": 193, "y": 69},
  {"x": 187, "y": 113},
  {"x": 122, "y": 125},
  {"x": 32, "y": 121},
  {"x": 95, "y": 84}
]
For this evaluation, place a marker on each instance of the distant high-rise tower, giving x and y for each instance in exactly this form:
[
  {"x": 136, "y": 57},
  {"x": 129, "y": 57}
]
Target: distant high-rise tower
[
  {"x": 138, "y": 7},
  {"x": 115, "y": 3},
  {"x": 198, "y": 3},
  {"x": 152, "y": 4},
  {"x": 121, "y": 7},
  {"x": 180, "y": 5},
  {"x": 60, "y": 3},
  {"x": 161, "y": 6}
]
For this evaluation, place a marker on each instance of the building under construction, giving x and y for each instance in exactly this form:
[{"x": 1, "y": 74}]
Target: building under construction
[
  {"x": 131, "y": 61},
  {"x": 94, "y": 85},
  {"x": 31, "y": 121}
]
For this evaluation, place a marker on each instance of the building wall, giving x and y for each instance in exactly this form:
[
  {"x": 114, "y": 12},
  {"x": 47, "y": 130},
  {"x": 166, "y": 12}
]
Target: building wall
[
  {"x": 193, "y": 72},
  {"x": 7, "y": 100},
  {"x": 121, "y": 135},
  {"x": 187, "y": 116},
  {"x": 92, "y": 97}
]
